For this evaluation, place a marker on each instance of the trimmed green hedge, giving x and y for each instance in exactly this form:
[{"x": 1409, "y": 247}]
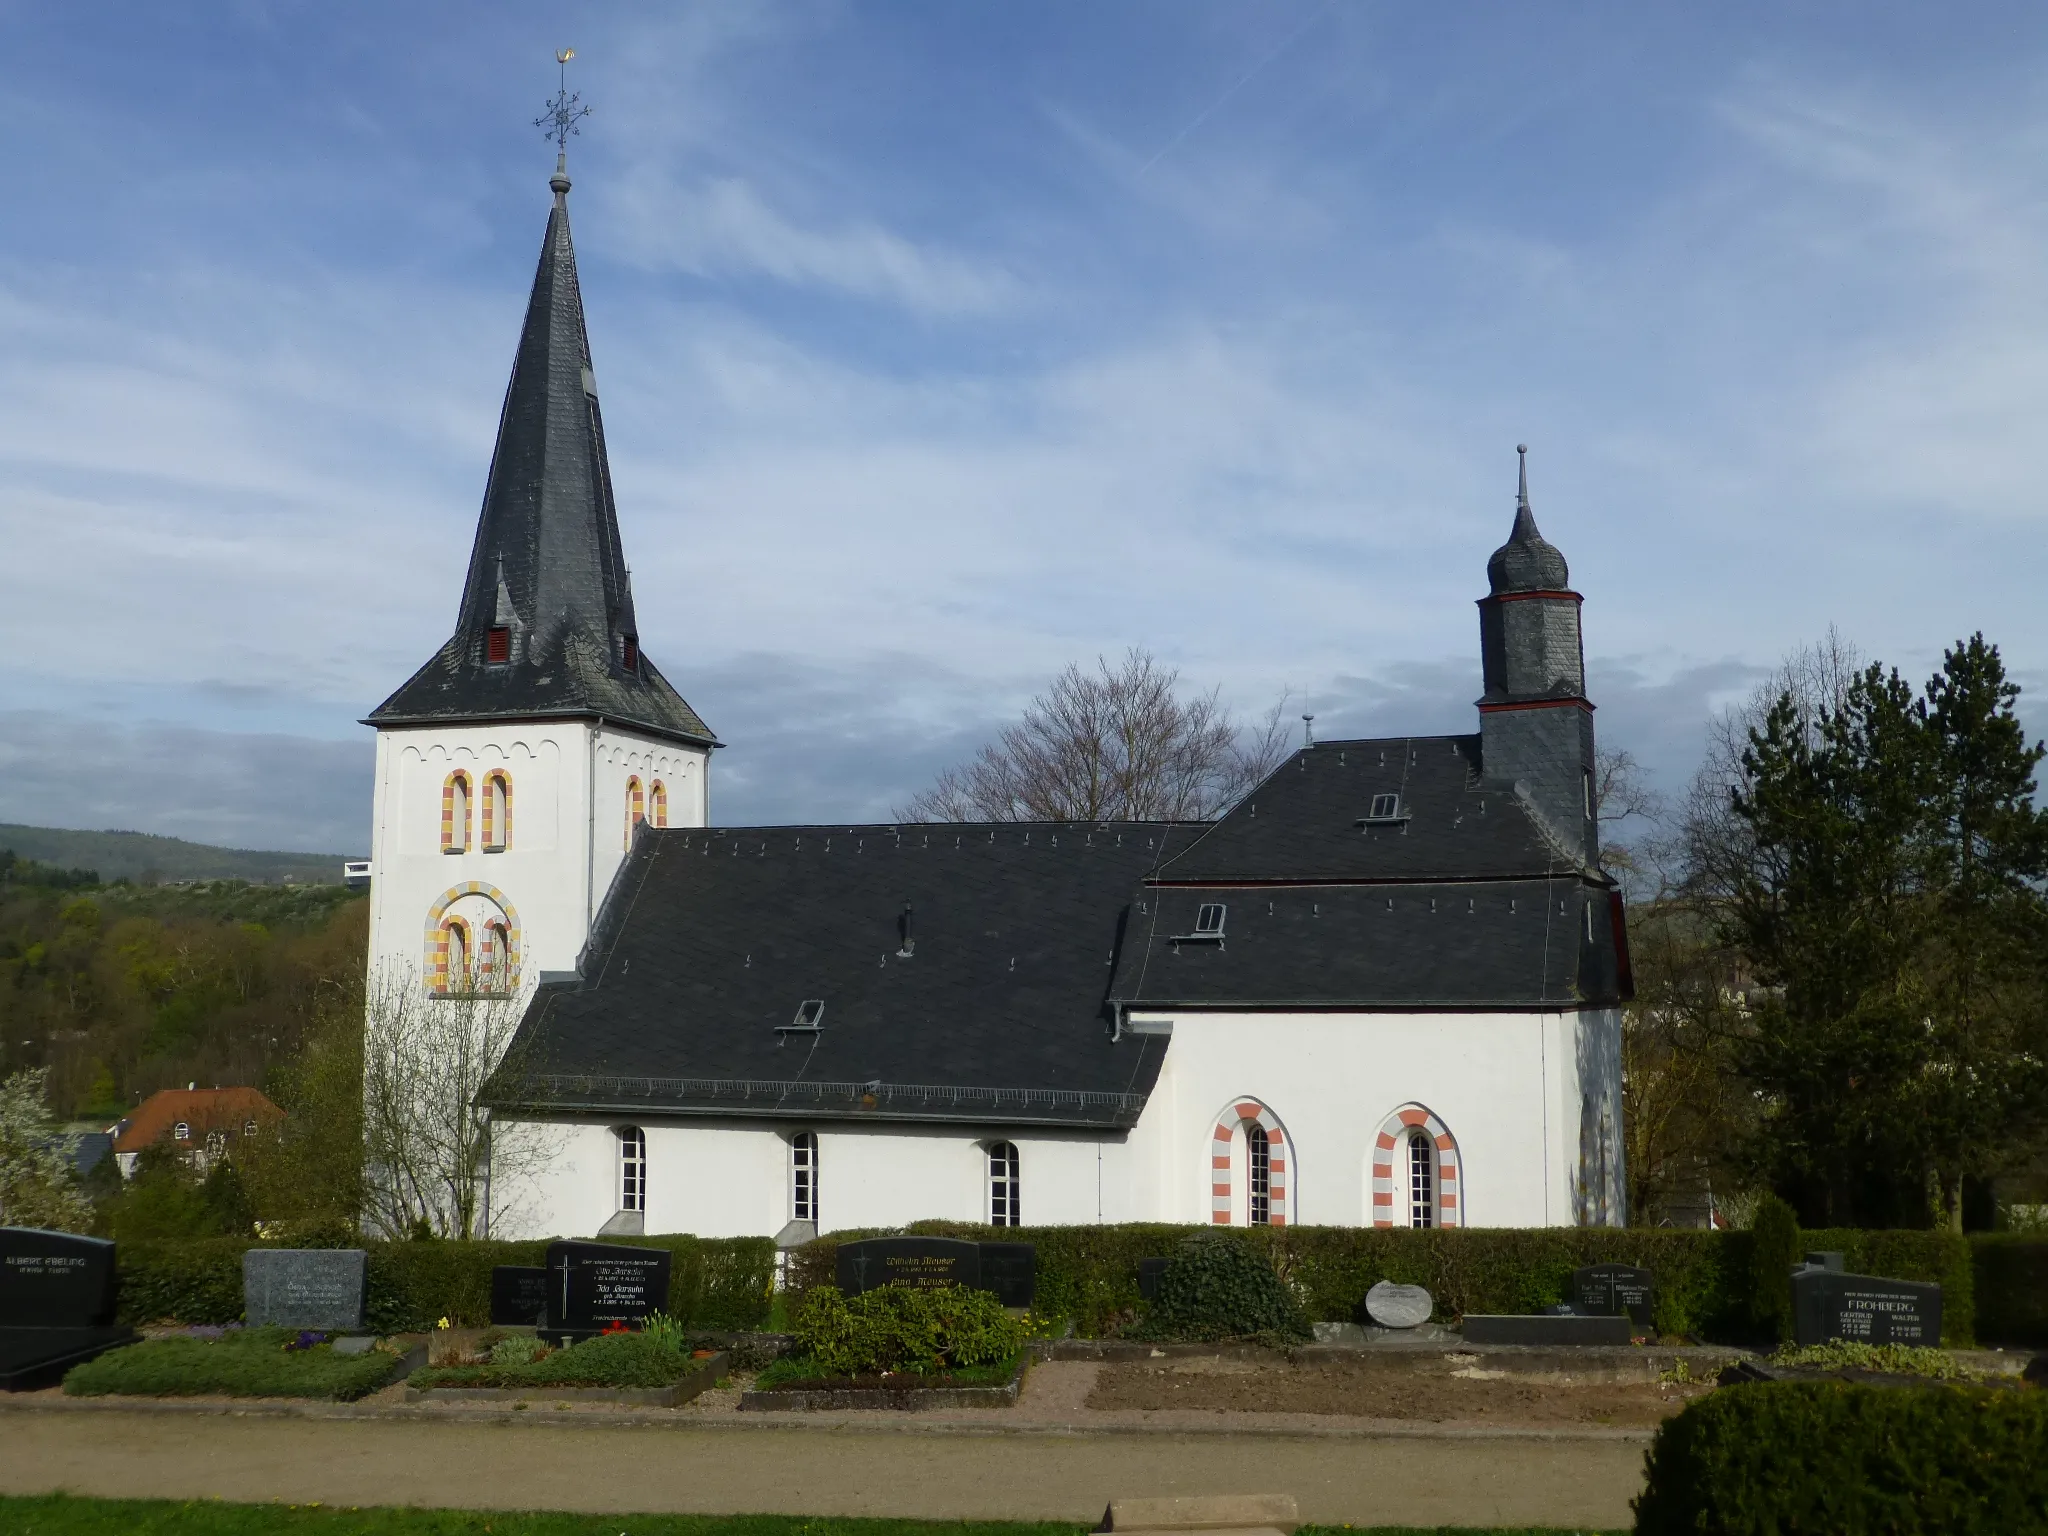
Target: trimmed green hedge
[
  {"x": 2012, "y": 1288},
  {"x": 1785, "y": 1458},
  {"x": 1090, "y": 1274},
  {"x": 717, "y": 1284}
]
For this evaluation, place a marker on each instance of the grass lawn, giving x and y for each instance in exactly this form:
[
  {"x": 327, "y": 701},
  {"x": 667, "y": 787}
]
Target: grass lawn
[
  {"x": 248, "y": 1362},
  {"x": 62, "y": 1515}
]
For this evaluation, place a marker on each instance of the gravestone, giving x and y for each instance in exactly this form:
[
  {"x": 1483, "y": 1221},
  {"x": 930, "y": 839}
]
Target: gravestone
[
  {"x": 1828, "y": 1258},
  {"x": 1398, "y": 1306},
  {"x": 519, "y": 1296},
  {"x": 920, "y": 1262},
  {"x": 1149, "y": 1271},
  {"x": 592, "y": 1286},
  {"x": 56, "y": 1305},
  {"x": 319, "y": 1288},
  {"x": 1546, "y": 1329},
  {"x": 1613, "y": 1290},
  {"x": 1864, "y": 1309},
  {"x": 1011, "y": 1271}
]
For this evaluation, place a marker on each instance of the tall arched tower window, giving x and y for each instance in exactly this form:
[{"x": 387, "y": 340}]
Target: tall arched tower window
[
  {"x": 451, "y": 969},
  {"x": 657, "y": 803},
  {"x": 1004, "y": 1185},
  {"x": 636, "y": 808},
  {"x": 494, "y": 965},
  {"x": 632, "y": 1168},
  {"x": 803, "y": 1176},
  {"x": 455, "y": 813},
  {"x": 497, "y": 811}
]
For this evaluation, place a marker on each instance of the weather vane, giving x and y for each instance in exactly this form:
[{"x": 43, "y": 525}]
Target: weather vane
[{"x": 566, "y": 110}]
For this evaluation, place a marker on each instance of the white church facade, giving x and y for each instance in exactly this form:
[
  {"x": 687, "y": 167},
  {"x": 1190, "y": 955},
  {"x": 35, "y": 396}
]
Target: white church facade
[{"x": 1383, "y": 989}]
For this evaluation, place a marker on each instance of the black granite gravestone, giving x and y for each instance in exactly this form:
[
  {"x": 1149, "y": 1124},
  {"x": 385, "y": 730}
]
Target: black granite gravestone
[
  {"x": 56, "y": 1305},
  {"x": 1864, "y": 1309},
  {"x": 1011, "y": 1271},
  {"x": 1546, "y": 1329},
  {"x": 321, "y": 1288},
  {"x": 519, "y": 1296},
  {"x": 1149, "y": 1271},
  {"x": 595, "y": 1286},
  {"x": 1612, "y": 1290},
  {"x": 922, "y": 1262}
]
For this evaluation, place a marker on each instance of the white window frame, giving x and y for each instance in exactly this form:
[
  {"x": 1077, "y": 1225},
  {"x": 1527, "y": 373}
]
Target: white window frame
[
  {"x": 1422, "y": 1177},
  {"x": 803, "y": 1176},
  {"x": 1005, "y": 1184},
  {"x": 632, "y": 1177},
  {"x": 1258, "y": 1174}
]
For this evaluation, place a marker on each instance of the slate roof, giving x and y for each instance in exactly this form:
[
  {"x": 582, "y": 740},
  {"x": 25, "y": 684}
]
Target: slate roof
[
  {"x": 547, "y": 565},
  {"x": 711, "y": 940}
]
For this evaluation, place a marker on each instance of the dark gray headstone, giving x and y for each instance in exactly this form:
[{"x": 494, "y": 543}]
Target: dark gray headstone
[
  {"x": 1398, "y": 1306},
  {"x": 1011, "y": 1271},
  {"x": 592, "y": 1286},
  {"x": 519, "y": 1295},
  {"x": 1539, "y": 1328},
  {"x": 1613, "y": 1290},
  {"x": 1828, "y": 1258},
  {"x": 304, "y": 1288},
  {"x": 1864, "y": 1309},
  {"x": 923, "y": 1262},
  {"x": 1149, "y": 1271},
  {"x": 55, "y": 1279}
]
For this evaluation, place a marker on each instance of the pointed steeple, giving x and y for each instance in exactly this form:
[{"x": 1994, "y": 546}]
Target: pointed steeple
[
  {"x": 1528, "y": 562},
  {"x": 546, "y": 625}
]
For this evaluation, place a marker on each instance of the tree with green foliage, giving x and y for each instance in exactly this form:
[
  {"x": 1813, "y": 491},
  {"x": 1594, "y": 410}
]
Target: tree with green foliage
[{"x": 37, "y": 1188}]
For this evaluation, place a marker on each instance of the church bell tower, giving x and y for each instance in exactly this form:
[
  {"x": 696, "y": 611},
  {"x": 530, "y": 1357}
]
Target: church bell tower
[{"x": 1535, "y": 721}]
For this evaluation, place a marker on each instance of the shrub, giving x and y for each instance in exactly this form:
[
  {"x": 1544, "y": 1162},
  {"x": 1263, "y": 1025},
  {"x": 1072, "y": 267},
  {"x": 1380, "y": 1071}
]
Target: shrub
[
  {"x": 898, "y": 1328},
  {"x": 1089, "y": 1275},
  {"x": 1891, "y": 1359},
  {"x": 1219, "y": 1287},
  {"x": 246, "y": 1362},
  {"x": 1774, "y": 1249},
  {"x": 1795, "y": 1457},
  {"x": 714, "y": 1283},
  {"x": 2011, "y": 1275}
]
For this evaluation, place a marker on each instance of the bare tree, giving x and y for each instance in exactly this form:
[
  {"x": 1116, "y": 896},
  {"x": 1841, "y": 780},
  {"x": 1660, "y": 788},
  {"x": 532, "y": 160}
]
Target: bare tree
[
  {"x": 1631, "y": 813},
  {"x": 1116, "y": 744},
  {"x": 434, "y": 1162}
]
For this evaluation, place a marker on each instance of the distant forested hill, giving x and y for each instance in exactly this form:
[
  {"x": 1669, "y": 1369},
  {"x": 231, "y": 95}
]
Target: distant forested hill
[{"x": 141, "y": 856}]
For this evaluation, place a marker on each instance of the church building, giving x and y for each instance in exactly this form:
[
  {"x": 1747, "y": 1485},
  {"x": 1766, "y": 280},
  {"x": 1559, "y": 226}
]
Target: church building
[{"x": 1383, "y": 989}]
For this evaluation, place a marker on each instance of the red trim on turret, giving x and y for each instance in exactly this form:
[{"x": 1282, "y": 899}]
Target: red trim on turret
[
  {"x": 1518, "y": 597},
  {"x": 1501, "y": 709}
]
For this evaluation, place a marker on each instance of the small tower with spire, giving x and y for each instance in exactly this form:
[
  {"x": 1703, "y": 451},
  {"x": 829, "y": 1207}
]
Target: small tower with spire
[
  {"x": 1535, "y": 721},
  {"x": 514, "y": 767}
]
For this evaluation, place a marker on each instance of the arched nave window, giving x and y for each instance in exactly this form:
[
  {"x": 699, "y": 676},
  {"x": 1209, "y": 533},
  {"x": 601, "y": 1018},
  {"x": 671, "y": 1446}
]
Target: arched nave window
[
  {"x": 451, "y": 969},
  {"x": 803, "y": 1176},
  {"x": 657, "y": 803},
  {"x": 1004, "y": 1185},
  {"x": 497, "y": 811},
  {"x": 632, "y": 1168},
  {"x": 455, "y": 813},
  {"x": 1417, "y": 1175},
  {"x": 636, "y": 808},
  {"x": 1250, "y": 1168}
]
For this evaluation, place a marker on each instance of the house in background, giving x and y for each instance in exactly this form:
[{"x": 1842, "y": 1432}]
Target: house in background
[{"x": 200, "y": 1123}]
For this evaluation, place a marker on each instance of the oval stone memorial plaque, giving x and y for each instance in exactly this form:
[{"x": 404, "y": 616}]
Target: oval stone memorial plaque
[{"x": 1398, "y": 1306}]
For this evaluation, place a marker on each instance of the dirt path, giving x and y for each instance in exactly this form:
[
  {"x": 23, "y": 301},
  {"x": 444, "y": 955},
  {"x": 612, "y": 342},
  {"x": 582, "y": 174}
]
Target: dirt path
[{"x": 707, "y": 1467}]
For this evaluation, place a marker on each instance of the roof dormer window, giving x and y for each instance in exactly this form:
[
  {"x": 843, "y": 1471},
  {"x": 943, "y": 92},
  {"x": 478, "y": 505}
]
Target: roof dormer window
[
  {"x": 1208, "y": 925},
  {"x": 810, "y": 1018},
  {"x": 1383, "y": 810},
  {"x": 629, "y": 649},
  {"x": 498, "y": 644}
]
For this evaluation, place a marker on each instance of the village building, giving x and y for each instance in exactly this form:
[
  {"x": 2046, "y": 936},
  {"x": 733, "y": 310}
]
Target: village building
[
  {"x": 1384, "y": 989},
  {"x": 198, "y": 1124}
]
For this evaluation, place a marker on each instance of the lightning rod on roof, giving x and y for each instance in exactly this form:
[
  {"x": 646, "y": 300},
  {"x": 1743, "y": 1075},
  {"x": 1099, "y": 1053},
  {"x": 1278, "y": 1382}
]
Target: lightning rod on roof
[{"x": 1308, "y": 730}]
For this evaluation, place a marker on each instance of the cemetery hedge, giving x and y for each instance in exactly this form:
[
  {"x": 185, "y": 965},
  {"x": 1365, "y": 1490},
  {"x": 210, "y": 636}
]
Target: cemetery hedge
[
  {"x": 1090, "y": 1274},
  {"x": 2011, "y": 1274},
  {"x": 715, "y": 1284},
  {"x": 1781, "y": 1457}
]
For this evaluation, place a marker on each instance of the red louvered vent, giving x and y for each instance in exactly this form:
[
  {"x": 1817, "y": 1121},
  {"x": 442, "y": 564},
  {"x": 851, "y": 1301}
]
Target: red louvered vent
[
  {"x": 632, "y": 653},
  {"x": 498, "y": 643}
]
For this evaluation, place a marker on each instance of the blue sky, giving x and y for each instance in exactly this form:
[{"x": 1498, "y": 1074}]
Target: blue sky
[{"x": 942, "y": 344}]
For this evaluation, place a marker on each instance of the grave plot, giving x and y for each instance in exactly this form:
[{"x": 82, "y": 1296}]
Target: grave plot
[{"x": 56, "y": 1305}]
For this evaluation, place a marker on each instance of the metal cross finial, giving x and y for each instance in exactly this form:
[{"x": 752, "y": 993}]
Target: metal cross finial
[{"x": 566, "y": 110}]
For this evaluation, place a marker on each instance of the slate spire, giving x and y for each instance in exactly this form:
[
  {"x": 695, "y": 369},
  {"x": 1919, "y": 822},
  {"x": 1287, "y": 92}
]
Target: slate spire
[{"x": 546, "y": 625}]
